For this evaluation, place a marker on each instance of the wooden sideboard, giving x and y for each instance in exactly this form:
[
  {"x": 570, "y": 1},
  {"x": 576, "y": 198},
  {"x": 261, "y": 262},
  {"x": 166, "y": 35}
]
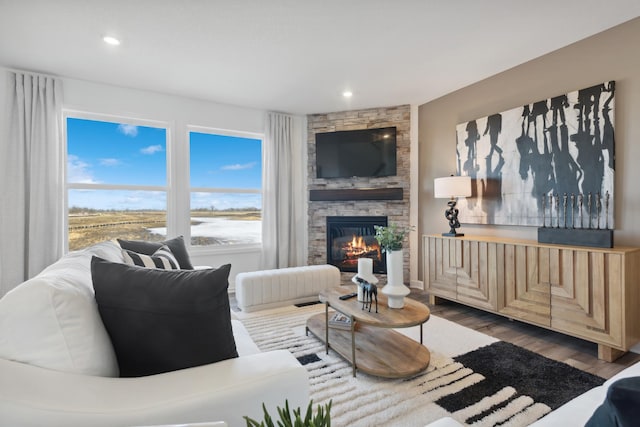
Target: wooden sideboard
[{"x": 589, "y": 293}]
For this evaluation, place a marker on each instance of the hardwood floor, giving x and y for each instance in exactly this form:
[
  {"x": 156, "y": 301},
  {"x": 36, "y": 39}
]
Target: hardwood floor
[{"x": 563, "y": 348}]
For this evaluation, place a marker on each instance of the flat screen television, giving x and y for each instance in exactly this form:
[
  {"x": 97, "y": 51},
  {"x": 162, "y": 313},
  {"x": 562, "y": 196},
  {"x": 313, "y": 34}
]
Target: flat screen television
[{"x": 350, "y": 153}]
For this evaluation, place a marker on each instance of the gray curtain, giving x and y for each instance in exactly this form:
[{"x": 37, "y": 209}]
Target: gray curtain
[
  {"x": 284, "y": 222},
  {"x": 31, "y": 178}
]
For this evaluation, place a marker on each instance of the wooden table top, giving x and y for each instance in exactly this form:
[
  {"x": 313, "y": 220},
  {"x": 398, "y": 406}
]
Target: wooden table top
[{"x": 413, "y": 313}]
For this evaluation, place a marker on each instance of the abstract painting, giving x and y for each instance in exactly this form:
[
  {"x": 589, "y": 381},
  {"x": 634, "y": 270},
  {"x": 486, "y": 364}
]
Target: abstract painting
[{"x": 552, "y": 160}]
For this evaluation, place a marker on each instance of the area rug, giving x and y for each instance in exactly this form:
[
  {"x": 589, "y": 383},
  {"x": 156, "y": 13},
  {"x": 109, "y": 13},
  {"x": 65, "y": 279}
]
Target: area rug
[{"x": 472, "y": 377}]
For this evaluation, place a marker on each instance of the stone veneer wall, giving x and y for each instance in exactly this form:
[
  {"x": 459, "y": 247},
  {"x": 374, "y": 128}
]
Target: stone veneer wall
[{"x": 397, "y": 211}]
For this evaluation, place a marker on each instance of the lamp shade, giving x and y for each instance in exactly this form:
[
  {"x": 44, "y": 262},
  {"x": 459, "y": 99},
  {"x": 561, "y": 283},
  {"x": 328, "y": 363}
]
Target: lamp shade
[{"x": 452, "y": 186}]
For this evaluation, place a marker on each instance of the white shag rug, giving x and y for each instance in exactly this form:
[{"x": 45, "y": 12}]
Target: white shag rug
[{"x": 371, "y": 401}]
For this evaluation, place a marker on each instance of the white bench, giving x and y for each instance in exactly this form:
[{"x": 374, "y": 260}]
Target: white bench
[{"x": 259, "y": 290}]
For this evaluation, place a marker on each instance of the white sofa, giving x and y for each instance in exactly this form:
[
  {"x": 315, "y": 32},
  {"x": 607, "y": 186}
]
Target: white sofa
[
  {"x": 57, "y": 365},
  {"x": 575, "y": 412}
]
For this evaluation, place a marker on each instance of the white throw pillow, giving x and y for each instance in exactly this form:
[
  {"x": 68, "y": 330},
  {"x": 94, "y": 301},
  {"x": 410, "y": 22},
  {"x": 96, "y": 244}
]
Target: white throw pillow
[{"x": 55, "y": 326}]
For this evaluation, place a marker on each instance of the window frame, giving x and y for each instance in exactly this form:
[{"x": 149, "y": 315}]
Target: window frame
[
  {"x": 234, "y": 248},
  {"x": 178, "y": 173},
  {"x": 168, "y": 189}
]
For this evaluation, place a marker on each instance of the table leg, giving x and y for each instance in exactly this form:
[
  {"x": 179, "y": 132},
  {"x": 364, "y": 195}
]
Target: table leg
[
  {"x": 353, "y": 346},
  {"x": 326, "y": 327}
]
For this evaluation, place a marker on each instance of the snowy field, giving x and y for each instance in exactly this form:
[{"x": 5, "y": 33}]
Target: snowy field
[{"x": 224, "y": 231}]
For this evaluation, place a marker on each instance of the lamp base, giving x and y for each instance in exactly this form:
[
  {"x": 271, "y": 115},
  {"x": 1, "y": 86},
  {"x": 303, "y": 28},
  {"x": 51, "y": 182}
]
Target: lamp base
[{"x": 452, "y": 215}]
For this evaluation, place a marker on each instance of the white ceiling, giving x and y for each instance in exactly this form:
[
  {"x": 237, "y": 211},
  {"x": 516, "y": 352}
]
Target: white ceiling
[{"x": 295, "y": 56}]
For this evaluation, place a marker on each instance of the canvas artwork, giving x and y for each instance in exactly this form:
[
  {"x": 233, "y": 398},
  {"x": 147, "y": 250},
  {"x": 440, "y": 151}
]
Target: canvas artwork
[{"x": 551, "y": 160}]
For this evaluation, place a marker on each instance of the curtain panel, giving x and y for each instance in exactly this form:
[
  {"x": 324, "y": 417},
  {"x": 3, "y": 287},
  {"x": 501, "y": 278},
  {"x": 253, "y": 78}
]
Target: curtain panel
[
  {"x": 32, "y": 176},
  {"x": 284, "y": 224}
]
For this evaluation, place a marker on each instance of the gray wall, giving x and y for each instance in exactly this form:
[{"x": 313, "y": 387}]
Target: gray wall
[{"x": 610, "y": 55}]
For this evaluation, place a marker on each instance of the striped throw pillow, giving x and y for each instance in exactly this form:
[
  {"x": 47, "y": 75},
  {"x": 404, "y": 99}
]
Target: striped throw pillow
[{"x": 162, "y": 259}]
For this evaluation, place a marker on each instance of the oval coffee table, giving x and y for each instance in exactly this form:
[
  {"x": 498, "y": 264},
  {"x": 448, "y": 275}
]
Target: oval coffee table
[{"x": 370, "y": 345}]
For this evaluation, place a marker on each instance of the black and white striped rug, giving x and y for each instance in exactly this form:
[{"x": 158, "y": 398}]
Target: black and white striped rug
[{"x": 472, "y": 377}]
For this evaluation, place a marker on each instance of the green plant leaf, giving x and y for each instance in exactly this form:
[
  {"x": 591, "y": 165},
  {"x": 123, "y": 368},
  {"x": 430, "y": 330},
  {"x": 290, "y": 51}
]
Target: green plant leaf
[
  {"x": 267, "y": 418},
  {"x": 391, "y": 238},
  {"x": 252, "y": 422},
  {"x": 308, "y": 416},
  {"x": 285, "y": 415}
]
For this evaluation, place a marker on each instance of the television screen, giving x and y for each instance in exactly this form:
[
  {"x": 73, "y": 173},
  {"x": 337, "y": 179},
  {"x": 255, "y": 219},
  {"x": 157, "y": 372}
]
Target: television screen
[{"x": 350, "y": 153}]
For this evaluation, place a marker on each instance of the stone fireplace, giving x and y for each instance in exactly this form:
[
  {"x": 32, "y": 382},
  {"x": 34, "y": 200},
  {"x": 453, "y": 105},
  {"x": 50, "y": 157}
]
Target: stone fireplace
[
  {"x": 353, "y": 237},
  {"x": 358, "y": 197}
]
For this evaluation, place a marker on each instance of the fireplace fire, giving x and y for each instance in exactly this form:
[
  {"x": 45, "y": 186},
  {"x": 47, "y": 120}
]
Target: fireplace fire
[
  {"x": 353, "y": 237},
  {"x": 359, "y": 248}
]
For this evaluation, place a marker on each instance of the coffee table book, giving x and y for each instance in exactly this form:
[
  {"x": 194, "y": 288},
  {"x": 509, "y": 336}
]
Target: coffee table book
[{"x": 340, "y": 321}]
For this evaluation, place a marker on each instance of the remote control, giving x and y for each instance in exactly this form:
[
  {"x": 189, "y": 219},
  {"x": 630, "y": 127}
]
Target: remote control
[{"x": 347, "y": 296}]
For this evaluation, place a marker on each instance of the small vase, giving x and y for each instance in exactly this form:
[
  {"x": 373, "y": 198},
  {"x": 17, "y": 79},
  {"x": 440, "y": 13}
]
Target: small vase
[
  {"x": 365, "y": 272},
  {"x": 395, "y": 290}
]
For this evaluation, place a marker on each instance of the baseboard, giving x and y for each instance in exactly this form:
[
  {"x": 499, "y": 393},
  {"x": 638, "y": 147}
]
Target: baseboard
[{"x": 419, "y": 284}]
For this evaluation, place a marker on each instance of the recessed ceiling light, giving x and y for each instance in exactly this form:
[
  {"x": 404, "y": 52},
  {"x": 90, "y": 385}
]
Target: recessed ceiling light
[
  {"x": 111, "y": 40},
  {"x": 347, "y": 94}
]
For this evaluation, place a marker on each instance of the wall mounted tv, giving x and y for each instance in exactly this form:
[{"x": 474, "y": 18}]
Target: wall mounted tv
[{"x": 350, "y": 153}]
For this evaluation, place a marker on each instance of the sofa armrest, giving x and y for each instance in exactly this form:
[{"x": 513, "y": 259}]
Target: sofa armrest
[
  {"x": 227, "y": 390},
  {"x": 444, "y": 422},
  {"x": 213, "y": 424}
]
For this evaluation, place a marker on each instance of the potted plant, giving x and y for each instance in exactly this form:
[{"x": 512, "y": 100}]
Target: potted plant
[
  {"x": 322, "y": 417},
  {"x": 391, "y": 239}
]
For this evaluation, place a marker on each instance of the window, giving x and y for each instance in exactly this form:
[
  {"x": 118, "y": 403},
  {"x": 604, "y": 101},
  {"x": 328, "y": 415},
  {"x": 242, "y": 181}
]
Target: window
[
  {"x": 226, "y": 183},
  {"x": 116, "y": 181},
  {"x": 125, "y": 180}
]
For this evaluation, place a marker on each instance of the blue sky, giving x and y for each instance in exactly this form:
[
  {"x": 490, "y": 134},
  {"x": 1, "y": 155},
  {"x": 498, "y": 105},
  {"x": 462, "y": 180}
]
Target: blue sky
[
  {"x": 111, "y": 153},
  {"x": 225, "y": 161}
]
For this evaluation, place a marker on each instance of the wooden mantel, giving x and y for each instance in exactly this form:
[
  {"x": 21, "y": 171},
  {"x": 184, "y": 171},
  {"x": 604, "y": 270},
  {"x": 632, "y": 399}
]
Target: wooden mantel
[{"x": 356, "y": 194}]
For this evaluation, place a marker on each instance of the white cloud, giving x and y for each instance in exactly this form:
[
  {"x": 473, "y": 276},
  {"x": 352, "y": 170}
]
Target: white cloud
[
  {"x": 223, "y": 201},
  {"x": 142, "y": 200},
  {"x": 110, "y": 162},
  {"x": 152, "y": 149},
  {"x": 129, "y": 130},
  {"x": 135, "y": 201},
  {"x": 238, "y": 166},
  {"x": 79, "y": 171}
]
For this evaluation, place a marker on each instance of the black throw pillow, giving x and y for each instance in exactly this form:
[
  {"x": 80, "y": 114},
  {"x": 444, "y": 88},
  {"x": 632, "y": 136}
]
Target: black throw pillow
[
  {"x": 164, "y": 320},
  {"x": 176, "y": 245},
  {"x": 621, "y": 407}
]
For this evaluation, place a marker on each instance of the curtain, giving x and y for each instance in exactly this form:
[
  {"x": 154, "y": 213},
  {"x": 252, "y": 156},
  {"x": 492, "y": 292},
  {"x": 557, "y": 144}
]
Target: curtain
[
  {"x": 32, "y": 178},
  {"x": 284, "y": 222}
]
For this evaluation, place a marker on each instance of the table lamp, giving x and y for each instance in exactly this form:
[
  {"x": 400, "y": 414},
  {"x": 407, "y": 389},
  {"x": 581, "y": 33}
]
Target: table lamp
[{"x": 452, "y": 187}]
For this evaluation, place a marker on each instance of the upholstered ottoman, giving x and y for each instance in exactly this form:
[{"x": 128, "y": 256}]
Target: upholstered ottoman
[{"x": 258, "y": 290}]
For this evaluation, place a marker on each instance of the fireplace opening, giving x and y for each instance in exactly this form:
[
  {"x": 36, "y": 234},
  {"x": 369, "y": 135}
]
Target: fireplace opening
[{"x": 353, "y": 237}]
